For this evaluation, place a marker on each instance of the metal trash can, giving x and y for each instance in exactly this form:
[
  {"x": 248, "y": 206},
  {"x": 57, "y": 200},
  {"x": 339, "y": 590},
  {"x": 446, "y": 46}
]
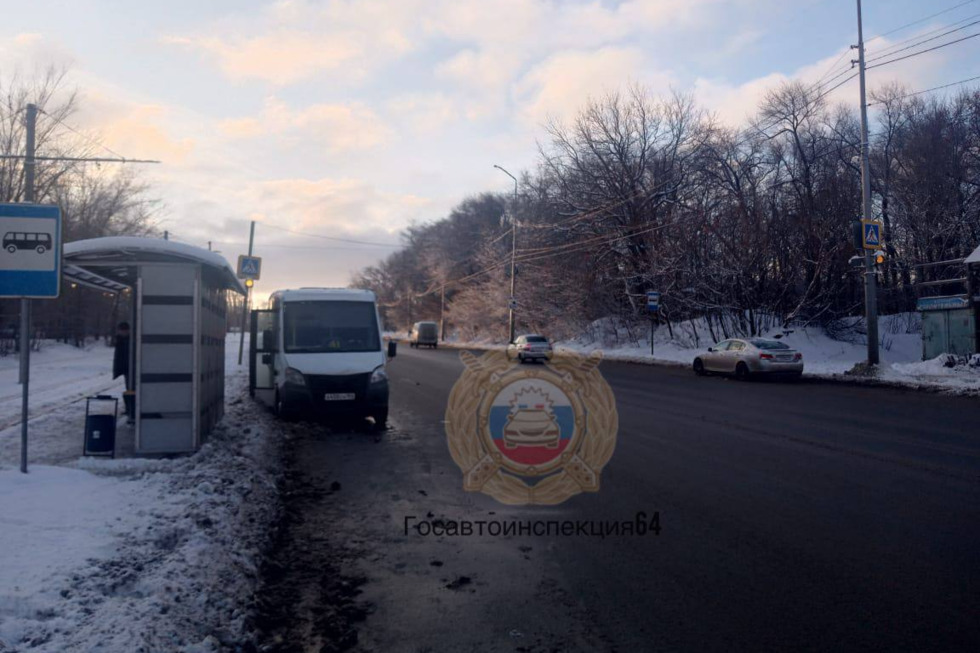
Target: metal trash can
[{"x": 100, "y": 426}]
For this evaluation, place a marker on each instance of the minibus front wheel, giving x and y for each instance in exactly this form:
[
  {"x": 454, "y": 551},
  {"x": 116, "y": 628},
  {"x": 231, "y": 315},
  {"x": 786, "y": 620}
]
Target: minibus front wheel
[{"x": 283, "y": 410}]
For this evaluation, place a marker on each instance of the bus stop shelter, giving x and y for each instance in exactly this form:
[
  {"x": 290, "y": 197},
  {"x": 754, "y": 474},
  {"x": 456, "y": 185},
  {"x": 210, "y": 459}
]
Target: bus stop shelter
[{"x": 178, "y": 326}]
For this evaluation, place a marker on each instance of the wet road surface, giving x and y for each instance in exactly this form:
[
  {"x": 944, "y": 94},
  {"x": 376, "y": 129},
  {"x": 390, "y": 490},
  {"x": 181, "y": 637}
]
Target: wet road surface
[{"x": 795, "y": 516}]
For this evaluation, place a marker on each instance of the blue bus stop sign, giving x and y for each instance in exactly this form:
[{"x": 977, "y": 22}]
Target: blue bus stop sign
[
  {"x": 653, "y": 301},
  {"x": 30, "y": 258}
]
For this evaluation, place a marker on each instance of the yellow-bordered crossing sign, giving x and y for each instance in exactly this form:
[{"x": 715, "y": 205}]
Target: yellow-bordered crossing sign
[{"x": 872, "y": 234}]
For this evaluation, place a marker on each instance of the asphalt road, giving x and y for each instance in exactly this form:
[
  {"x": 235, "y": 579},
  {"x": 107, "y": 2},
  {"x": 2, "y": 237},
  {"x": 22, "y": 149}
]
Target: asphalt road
[{"x": 795, "y": 516}]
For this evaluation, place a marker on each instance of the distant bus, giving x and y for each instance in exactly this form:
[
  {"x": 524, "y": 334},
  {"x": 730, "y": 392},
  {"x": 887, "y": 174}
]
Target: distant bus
[{"x": 15, "y": 240}]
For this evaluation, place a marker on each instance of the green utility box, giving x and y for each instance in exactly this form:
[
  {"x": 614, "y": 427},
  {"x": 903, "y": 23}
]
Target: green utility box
[{"x": 949, "y": 326}]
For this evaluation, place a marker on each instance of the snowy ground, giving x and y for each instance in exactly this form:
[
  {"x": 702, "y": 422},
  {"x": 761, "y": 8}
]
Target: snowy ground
[
  {"x": 901, "y": 352},
  {"x": 61, "y": 376},
  {"x": 129, "y": 554}
]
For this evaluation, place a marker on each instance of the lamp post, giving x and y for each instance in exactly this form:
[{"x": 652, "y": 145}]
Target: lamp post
[{"x": 513, "y": 251}]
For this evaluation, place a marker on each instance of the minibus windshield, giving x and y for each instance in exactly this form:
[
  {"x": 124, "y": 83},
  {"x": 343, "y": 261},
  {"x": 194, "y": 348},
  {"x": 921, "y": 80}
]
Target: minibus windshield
[{"x": 330, "y": 327}]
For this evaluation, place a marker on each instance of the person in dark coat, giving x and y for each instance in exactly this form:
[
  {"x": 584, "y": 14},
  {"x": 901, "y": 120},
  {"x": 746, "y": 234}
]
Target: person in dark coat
[
  {"x": 120, "y": 364},
  {"x": 120, "y": 358}
]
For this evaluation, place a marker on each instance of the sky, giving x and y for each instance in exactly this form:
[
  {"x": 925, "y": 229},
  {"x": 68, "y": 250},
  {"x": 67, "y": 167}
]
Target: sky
[{"x": 353, "y": 119}]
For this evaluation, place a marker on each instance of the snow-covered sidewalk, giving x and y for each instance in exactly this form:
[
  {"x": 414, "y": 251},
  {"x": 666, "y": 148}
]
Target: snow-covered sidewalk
[{"x": 135, "y": 554}]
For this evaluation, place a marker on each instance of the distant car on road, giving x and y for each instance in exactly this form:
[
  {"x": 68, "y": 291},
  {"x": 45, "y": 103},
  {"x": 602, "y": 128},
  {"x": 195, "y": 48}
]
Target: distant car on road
[
  {"x": 530, "y": 347},
  {"x": 746, "y": 357},
  {"x": 424, "y": 333}
]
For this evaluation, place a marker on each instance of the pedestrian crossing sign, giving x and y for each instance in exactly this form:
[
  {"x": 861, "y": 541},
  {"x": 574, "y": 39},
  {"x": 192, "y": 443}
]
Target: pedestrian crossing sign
[
  {"x": 871, "y": 234},
  {"x": 249, "y": 267}
]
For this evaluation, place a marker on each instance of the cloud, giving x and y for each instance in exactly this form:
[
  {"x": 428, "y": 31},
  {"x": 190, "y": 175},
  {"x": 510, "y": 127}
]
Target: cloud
[
  {"x": 294, "y": 41},
  {"x": 424, "y": 113},
  {"x": 338, "y": 127},
  {"x": 342, "y": 207},
  {"x": 134, "y": 129},
  {"x": 562, "y": 84},
  {"x": 27, "y": 53}
]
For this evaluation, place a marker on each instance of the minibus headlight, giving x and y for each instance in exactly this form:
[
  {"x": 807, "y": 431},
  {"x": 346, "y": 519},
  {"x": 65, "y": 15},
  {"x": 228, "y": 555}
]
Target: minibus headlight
[
  {"x": 294, "y": 376},
  {"x": 379, "y": 375}
]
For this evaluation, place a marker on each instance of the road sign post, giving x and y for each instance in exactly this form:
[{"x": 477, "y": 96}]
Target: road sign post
[
  {"x": 30, "y": 268},
  {"x": 653, "y": 307},
  {"x": 248, "y": 289}
]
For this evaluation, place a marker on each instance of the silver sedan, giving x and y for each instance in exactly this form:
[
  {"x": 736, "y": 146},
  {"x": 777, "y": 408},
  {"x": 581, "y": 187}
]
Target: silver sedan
[
  {"x": 530, "y": 347},
  {"x": 746, "y": 357}
]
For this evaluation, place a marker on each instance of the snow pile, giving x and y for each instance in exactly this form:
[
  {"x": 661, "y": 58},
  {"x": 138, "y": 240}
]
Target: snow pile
[{"x": 140, "y": 554}]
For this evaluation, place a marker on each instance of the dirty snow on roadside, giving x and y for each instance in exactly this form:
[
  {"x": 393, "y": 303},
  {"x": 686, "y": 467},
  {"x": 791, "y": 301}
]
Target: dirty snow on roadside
[
  {"x": 135, "y": 554},
  {"x": 824, "y": 356}
]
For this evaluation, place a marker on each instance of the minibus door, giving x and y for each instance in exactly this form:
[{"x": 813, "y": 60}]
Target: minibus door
[{"x": 262, "y": 356}]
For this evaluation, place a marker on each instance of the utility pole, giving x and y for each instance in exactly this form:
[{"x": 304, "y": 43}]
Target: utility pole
[
  {"x": 248, "y": 297},
  {"x": 870, "y": 281},
  {"x": 25, "y": 304},
  {"x": 513, "y": 254}
]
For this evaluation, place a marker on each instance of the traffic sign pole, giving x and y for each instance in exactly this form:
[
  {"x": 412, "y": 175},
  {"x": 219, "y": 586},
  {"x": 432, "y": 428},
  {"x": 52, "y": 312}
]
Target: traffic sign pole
[
  {"x": 25, "y": 304},
  {"x": 653, "y": 307},
  {"x": 248, "y": 298}
]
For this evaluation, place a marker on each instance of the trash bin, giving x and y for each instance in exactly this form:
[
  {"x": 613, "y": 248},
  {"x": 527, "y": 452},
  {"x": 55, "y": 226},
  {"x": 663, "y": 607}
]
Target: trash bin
[{"x": 100, "y": 426}]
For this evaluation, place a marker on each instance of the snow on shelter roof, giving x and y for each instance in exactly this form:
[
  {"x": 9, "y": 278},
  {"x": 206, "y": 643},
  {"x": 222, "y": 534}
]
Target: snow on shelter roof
[
  {"x": 91, "y": 261},
  {"x": 974, "y": 257}
]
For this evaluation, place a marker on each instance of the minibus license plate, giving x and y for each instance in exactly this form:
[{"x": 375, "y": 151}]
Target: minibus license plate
[{"x": 339, "y": 396}]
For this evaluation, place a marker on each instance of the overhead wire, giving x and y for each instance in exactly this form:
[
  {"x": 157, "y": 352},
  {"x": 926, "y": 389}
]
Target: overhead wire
[
  {"x": 921, "y": 52},
  {"x": 929, "y": 90},
  {"x": 336, "y": 238},
  {"x": 923, "y": 41},
  {"x": 921, "y": 20},
  {"x": 875, "y": 52},
  {"x": 81, "y": 135}
]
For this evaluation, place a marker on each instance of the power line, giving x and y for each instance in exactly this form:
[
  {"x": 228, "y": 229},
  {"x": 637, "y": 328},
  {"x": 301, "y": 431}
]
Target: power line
[
  {"x": 309, "y": 247},
  {"x": 500, "y": 237},
  {"x": 84, "y": 136},
  {"x": 917, "y": 44},
  {"x": 922, "y": 34},
  {"x": 928, "y": 90},
  {"x": 922, "y": 20},
  {"x": 342, "y": 240},
  {"x": 915, "y": 54}
]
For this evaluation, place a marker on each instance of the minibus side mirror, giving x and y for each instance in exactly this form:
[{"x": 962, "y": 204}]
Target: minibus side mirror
[{"x": 392, "y": 348}]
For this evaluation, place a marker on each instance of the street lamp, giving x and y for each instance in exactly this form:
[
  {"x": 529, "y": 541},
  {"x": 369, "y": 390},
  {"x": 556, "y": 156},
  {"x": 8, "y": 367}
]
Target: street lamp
[{"x": 513, "y": 250}]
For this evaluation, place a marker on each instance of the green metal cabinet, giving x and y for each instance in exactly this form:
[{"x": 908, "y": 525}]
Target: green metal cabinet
[{"x": 949, "y": 332}]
